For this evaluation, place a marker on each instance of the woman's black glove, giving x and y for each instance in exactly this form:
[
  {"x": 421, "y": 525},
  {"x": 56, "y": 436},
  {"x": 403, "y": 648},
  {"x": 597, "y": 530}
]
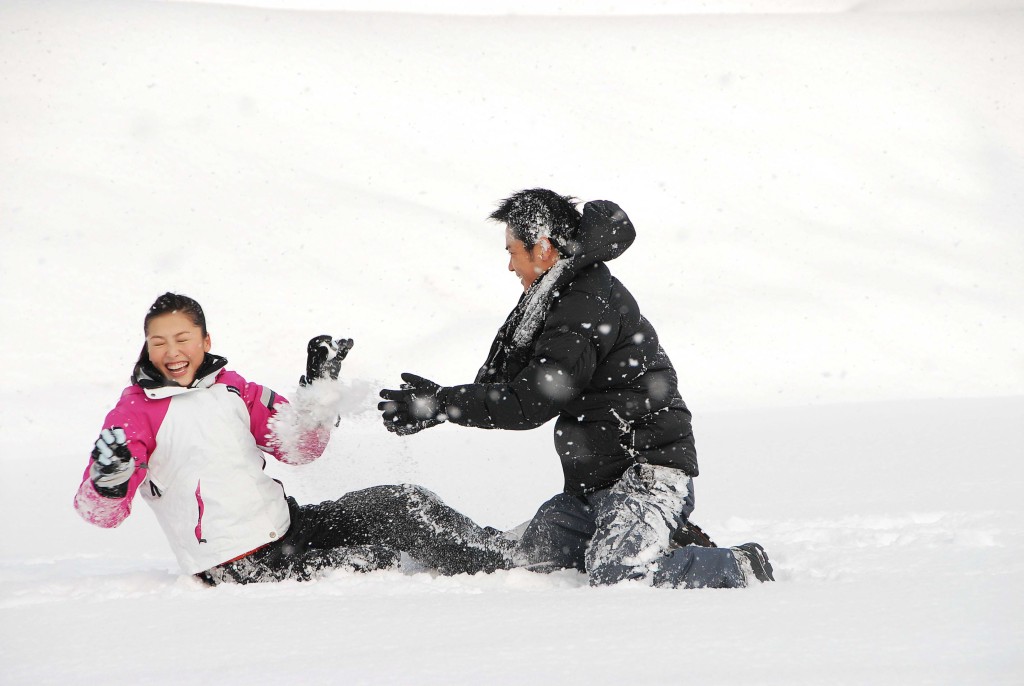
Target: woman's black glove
[
  {"x": 112, "y": 463},
  {"x": 323, "y": 358},
  {"x": 412, "y": 408}
]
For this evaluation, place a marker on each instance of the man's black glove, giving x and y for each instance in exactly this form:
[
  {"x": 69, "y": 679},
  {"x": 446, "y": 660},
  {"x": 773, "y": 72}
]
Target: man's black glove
[
  {"x": 412, "y": 408},
  {"x": 112, "y": 463},
  {"x": 323, "y": 358}
]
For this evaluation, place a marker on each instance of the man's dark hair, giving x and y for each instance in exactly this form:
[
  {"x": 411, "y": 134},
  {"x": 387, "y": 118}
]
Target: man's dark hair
[
  {"x": 536, "y": 213},
  {"x": 175, "y": 302}
]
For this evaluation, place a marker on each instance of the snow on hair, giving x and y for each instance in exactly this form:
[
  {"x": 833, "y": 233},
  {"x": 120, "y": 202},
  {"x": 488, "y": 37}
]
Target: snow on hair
[{"x": 539, "y": 213}]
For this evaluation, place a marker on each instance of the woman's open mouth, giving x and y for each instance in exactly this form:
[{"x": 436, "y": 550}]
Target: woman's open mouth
[{"x": 177, "y": 369}]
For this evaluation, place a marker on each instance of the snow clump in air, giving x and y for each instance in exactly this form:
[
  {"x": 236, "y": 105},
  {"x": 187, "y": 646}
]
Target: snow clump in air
[{"x": 300, "y": 428}]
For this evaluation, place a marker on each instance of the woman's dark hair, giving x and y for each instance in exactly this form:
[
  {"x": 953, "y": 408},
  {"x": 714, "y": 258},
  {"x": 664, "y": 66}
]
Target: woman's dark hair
[
  {"x": 175, "y": 302},
  {"x": 538, "y": 212}
]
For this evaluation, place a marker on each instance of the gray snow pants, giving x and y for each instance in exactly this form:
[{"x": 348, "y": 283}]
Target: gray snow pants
[{"x": 625, "y": 531}]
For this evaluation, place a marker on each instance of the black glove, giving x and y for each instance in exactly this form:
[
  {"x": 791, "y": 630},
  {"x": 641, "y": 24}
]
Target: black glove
[
  {"x": 412, "y": 408},
  {"x": 323, "y": 358},
  {"x": 112, "y": 463}
]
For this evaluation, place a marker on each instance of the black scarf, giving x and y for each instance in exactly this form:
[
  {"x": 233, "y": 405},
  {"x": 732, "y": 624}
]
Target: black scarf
[{"x": 513, "y": 345}]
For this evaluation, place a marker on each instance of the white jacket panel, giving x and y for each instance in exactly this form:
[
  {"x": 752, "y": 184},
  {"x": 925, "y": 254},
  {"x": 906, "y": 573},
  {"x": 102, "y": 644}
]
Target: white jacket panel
[{"x": 206, "y": 482}]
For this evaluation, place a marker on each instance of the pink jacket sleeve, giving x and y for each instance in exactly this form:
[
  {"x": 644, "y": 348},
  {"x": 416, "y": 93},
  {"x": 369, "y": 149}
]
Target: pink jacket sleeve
[
  {"x": 263, "y": 404},
  {"x": 140, "y": 418}
]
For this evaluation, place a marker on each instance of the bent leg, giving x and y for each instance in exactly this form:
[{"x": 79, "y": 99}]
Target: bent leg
[
  {"x": 410, "y": 518},
  {"x": 635, "y": 520}
]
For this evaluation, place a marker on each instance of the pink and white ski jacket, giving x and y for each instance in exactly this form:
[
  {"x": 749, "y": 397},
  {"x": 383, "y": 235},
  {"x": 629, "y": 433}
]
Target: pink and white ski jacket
[{"x": 199, "y": 459}]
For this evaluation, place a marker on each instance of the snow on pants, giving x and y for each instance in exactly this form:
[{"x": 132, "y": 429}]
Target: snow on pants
[
  {"x": 624, "y": 532},
  {"x": 365, "y": 530}
]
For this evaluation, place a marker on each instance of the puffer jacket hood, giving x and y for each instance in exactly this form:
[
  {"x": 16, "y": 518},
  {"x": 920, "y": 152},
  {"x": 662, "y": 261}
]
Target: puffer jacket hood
[{"x": 605, "y": 233}]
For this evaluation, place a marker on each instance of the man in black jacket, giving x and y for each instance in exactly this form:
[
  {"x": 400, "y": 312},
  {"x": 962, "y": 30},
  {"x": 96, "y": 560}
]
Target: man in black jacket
[{"x": 576, "y": 347}]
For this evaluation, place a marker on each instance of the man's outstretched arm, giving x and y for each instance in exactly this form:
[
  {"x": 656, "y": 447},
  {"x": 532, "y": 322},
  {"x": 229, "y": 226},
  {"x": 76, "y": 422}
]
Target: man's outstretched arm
[{"x": 540, "y": 391}]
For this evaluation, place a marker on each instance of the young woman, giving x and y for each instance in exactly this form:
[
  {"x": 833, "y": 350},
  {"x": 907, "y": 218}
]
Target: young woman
[{"x": 190, "y": 436}]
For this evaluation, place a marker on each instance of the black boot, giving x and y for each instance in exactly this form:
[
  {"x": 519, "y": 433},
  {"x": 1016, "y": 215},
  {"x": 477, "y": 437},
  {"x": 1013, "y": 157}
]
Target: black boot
[
  {"x": 758, "y": 558},
  {"x": 691, "y": 534}
]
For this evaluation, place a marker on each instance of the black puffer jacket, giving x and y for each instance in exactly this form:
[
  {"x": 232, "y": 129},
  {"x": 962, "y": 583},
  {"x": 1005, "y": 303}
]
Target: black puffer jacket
[{"x": 595, "y": 363}]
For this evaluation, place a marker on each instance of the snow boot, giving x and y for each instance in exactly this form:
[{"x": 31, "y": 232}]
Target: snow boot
[
  {"x": 691, "y": 534},
  {"x": 754, "y": 555}
]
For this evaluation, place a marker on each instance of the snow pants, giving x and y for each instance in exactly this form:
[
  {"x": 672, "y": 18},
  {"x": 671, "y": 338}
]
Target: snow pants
[
  {"x": 625, "y": 532},
  {"x": 366, "y": 530}
]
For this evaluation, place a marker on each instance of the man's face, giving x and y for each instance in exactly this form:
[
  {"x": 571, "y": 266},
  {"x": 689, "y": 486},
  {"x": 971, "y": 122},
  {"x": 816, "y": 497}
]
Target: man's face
[{"x": 529, "y": 264}]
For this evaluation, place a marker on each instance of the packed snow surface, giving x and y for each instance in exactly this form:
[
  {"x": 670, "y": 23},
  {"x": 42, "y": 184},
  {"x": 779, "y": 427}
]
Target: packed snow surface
[{"x": 828, "y": 201}]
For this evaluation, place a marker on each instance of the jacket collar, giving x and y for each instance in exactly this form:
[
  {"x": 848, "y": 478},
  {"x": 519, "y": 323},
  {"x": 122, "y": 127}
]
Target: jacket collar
[{"x": 156, "y": 386}]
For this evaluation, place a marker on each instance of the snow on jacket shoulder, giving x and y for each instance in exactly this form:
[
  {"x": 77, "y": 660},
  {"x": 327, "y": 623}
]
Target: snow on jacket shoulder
[{"x": 199, "y": 459}]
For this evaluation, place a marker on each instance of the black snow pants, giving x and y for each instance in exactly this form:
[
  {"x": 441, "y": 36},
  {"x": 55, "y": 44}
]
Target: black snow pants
[{"x": 366, "y": 530}]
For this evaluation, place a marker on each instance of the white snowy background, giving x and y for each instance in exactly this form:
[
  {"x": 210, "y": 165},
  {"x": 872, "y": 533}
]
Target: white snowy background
[{"x": 828, "y": 198}]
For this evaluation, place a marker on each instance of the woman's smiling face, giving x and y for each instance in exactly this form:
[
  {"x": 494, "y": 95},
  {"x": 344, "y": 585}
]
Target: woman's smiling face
[{"x": 176, "y": 346}]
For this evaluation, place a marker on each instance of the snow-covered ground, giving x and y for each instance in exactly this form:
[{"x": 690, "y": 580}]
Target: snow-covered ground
[{"x": 828, "y": 199}]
